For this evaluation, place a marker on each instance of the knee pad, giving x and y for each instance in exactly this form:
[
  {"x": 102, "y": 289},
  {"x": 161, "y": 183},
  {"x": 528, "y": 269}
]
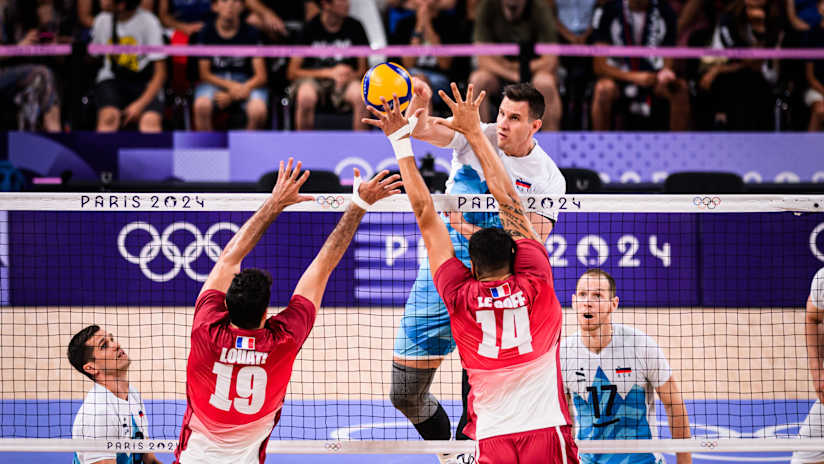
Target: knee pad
[{"x": 409, "y": 392}]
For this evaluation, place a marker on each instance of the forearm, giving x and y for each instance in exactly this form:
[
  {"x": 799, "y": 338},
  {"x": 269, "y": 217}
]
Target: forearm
[
  {"x": 250, "y": 233},
  {"x": 416, "y": 189},
  {"x": 299, "y": 73},
  {"x": 544, "y": 63},
  {"x": 500, "y": 67},
  {"x": 257, "y": 7},
  {"x": 497, "y": 180},
  {"x": 338, "y": 241},
  {"x": 154, "y": 86},
  {"x": 603, "y": 69},
  {"x": 208, "y": 77}
]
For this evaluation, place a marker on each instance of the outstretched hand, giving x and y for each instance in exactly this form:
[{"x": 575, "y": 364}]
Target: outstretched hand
[
  {"x": 390, "y": 121},
  {"x": 287, "y": 187},
  {"x": 379, "y": 187},
  {"x": 465, "y": 114}
]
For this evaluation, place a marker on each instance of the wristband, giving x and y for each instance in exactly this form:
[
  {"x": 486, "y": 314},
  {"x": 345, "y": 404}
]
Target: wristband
[
  {"x": 356, "y": 199},
  {"x": 401, "y": 143}
]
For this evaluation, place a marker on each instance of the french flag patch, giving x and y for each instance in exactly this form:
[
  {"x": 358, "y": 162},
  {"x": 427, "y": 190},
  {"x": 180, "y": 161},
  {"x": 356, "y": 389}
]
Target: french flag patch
[
  {"x": 500, "y": 291},
  {"x": 523, "y": 184},
  {"x": 245, "y": 343}
]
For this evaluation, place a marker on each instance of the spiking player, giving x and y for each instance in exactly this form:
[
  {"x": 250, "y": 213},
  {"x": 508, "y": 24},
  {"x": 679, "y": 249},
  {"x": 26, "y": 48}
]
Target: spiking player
[
  {"x": 423, "y": 338},
  {"x": 813, "y": 426},
  {"x": 505, "y": 317},
  {"x": 612, "y": 371},
  {"x": 240, "y": 362}
]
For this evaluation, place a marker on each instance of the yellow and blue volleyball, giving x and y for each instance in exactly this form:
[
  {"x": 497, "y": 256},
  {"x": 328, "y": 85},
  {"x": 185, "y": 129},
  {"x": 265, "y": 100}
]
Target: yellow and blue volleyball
[{"x": 382, "y": 81}]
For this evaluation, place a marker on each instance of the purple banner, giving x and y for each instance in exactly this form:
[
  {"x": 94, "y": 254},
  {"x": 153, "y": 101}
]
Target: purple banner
[
  {"x": 658, "y": 260},
  {"x": 618, "y": 157}
]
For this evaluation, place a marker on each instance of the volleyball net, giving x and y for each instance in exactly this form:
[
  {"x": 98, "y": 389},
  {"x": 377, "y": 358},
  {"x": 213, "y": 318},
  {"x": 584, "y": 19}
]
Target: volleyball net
[{"x": 719, "y": 282}]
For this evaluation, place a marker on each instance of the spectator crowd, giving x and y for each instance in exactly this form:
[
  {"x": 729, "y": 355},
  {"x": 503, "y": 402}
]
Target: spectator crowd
[{"x": 155, "y": 92}]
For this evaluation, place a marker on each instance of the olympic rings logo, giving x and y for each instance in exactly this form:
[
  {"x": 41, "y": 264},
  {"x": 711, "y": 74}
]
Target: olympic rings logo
[
  {"x": 706, "y": 202},
  {"x": 333, "y": 445},
  {"x": 710, "y": 444},
  {"x": 161, "y": 243},
  {"x": 330, "y": 201}
]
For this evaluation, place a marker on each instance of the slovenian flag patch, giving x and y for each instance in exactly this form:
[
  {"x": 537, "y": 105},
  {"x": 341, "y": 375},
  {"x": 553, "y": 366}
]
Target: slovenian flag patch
[
  {"x": 500, "y": 291},
  {"x": 245, "y": 343},
  {"x": 523, "y": 184}
]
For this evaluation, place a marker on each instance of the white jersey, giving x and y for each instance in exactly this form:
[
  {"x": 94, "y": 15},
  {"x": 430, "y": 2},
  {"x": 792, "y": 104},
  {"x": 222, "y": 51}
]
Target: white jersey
[
  {"x": 817, "y": 289},
  {"x": 613, "y": 392},
  {"x": 103, "y": 415},
  {"x": 143, "y": 28},
  {"x": 533, "y": 174},
  {"x": 813, "y": 427}
]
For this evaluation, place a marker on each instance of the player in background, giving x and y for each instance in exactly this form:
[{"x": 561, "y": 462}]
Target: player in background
[
  {"x": 611, "y": 372},
  {"x": 112, "y": 409},
  {"x": 240, "y": 362},
  {"x": 505, "y": 317},
  {"x": 813, "y": 426},
  {"x": 424, "y": 337}
]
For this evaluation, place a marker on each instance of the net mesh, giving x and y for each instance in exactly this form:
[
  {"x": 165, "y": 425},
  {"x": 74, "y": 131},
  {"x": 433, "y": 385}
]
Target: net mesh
[{"x": 718, "y": 282}]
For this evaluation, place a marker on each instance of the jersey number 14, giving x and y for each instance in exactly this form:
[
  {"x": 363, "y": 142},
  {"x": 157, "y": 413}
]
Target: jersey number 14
[
  {"x": 250, "y": 385},
  {"x": 514, "y": 333}
]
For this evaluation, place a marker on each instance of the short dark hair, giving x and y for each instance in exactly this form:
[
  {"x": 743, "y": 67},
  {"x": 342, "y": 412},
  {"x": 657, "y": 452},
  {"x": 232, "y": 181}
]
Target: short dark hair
[
  {"x": 79, "y": 353},
  {"x": 602, "y": 273},
  {"x": 490, "y": 250},
  {"x": 248, "y": 298},
  {"x": 528, "y": 93}
]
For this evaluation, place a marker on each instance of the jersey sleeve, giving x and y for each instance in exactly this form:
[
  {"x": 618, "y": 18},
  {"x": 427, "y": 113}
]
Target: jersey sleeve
[
  {"x": 531, "y": 258},
  {"x": 210, "y": 306},
  {"x": 656, "y": 367},
  {"x": 297, "y": 319},
  {"x": 92, "y": 426},
  {"x": 554, "y": 185},
  {"x": 817, "y": 289},
  {"x": 449, "y": 278}
]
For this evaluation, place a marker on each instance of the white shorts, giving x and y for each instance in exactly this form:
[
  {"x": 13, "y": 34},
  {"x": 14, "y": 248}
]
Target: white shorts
[
  {"x": 813, "y": 427},
  {"x": 812, "y": 96},
  {"x": 200, "y": 449}
]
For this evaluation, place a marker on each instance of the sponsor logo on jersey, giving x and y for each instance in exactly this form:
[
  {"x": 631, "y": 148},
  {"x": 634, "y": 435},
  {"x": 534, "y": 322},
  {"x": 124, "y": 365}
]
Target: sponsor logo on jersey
[
  {"x": 245, "y": 343},
  {"x": 500, "y": 291}
]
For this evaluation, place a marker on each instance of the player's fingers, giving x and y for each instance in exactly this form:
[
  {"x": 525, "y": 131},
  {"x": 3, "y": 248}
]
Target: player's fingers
[
  {"x": 288, "y": 171},
  {"x": 470, "y": 90},
  {"x": 394, "y": 186},
  {"x": 451, "y": 104},
  {"x": 445, "y": 123},
  {"x": 393, "y": 192},
  {"x": 480, "y": 98},
  {"x": 372, "y": 122},
  {"x": 356, "y": 172},
  {"x": 419, "y": 112},
  {"x": 455, "y": 92},
  {"x": 379, "y": 176},
  {"x": 302, "y": 179},
  {"x": 302, "y": 198},
  {"x": 297, "y": 170},
  {"x": 396, "y": 104},
  {"x": 390, "y": 179}
]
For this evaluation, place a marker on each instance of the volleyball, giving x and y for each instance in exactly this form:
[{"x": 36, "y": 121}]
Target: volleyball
[{"x": 383, "y": 80}]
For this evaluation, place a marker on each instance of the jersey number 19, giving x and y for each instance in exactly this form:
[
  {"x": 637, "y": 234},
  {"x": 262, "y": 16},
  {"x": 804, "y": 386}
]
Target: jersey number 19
[{"x": 250, "y": 385}]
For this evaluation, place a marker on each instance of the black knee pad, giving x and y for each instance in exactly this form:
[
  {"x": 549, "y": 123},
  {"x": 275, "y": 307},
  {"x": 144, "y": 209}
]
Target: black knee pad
[{"x": 409, "y": 392}]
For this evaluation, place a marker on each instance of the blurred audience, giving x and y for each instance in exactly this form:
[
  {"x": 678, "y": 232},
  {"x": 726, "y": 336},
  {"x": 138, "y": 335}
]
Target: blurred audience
[
  {"x": 87, "y": 10},
  {"x": 279, "y": 19},
  {"x": 516, "y": 21},
  {"x": 430, "y": 25},
  {"x": 129, "y": 87},
  {"x": 742, "y": 91},
  {"x": 228, "y": 82},
  {"x": 814, "y": 97},
  {"x": 804, "y": 15},
  {"x": 330, "y": 83},
  {"x": 186, "y": 16},
  {"x": 636, "y": 82}
]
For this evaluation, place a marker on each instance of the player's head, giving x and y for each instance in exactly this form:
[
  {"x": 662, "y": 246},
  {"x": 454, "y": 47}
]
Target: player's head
[
  {"x": 95, "y": 353},
  {"x": 491, "y": 252},
  {"x": 519, "y": 118},
  {"x": 248, "y": 298},
  {"x": 336, "y": 8},
  {"x": 594, "y": 299}
]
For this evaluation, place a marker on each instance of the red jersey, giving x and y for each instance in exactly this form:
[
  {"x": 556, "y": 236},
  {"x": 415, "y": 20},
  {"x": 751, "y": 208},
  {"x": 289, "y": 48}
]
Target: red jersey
[
  {"x": 508, "y": 334},
  {"x": 236, "y": 380}
]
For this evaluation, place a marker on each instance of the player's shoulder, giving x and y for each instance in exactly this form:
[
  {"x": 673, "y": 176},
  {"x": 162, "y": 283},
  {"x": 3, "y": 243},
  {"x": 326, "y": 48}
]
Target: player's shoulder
[{"x": 817, "y": 290}]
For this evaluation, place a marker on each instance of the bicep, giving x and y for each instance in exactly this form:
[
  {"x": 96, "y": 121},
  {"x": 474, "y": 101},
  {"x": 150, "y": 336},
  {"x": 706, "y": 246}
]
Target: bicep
[
  {"x": 543, "y": 226},
  {"x": 221, "y": 276},
  {"x": 669, "y": 393}
]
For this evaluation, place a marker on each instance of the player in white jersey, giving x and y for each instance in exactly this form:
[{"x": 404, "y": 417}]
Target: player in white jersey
[
  {"x": 424, "y": 337},
  {"x": 611, "y": 374},
  {"x": 112, "y": 409},
  {"x": 813, "y": 426}
]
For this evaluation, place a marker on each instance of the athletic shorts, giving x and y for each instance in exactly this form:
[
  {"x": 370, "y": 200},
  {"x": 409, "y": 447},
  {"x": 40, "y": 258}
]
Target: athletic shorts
[
  {"x": 207, "y": 90},
  {"x": 553, "y": 445},
  {"x": 813, "y": 427},
  {"x": 121, "y": 93}
]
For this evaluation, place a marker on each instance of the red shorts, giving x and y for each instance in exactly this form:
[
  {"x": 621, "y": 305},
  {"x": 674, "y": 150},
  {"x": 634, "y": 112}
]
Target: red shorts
[{"x": 544, "y": 446}]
